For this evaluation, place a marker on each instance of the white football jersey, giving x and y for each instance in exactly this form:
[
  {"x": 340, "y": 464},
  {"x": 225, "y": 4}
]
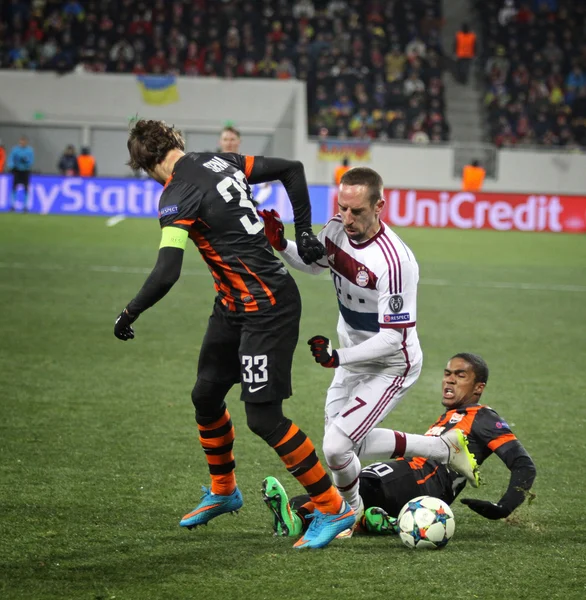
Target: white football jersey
[{"x": 376, "y": 285}]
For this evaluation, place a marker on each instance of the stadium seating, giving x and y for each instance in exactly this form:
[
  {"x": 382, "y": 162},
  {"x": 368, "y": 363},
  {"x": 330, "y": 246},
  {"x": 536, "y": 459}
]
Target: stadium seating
[
  {"x": 534, "y": 66},
  {"x": 373, "y": 68}
]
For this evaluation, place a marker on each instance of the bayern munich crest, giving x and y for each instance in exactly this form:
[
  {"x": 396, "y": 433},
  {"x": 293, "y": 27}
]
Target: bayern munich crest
[{"x": 362, "y": 277}]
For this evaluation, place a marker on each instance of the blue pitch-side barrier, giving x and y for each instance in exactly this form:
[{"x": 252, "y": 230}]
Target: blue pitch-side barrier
[{"x": 102, "y": 197}]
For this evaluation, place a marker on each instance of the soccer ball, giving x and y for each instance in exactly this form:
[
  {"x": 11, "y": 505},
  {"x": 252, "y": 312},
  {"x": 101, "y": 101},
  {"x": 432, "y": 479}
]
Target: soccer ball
[{"x": 426, "y": 522}]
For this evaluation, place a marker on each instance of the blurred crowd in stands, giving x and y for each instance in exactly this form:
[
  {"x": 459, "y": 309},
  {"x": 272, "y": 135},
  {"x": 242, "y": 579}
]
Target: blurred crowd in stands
[
  {"x": 535, "y": 71},
  {"x": 373, "y": 67}
]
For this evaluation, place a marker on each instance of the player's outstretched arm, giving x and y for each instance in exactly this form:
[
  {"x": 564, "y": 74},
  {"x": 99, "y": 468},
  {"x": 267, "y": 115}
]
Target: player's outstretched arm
[
  {"x": 275, "y": 232},
  {"x": 292, "y": 175},
  {"x": 385, "y": 343},
  {"x": 164, "y": 275},
  {"x": 523, "y": 474}
]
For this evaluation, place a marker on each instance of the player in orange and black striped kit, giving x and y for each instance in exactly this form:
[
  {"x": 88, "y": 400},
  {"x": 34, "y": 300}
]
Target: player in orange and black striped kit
[
  {"x": 390, "y": 485},
  {"x": 253, "y": 329}
]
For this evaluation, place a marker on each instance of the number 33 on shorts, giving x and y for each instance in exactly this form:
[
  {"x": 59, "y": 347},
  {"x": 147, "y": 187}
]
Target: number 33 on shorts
[{"x": 254, "y": 371}]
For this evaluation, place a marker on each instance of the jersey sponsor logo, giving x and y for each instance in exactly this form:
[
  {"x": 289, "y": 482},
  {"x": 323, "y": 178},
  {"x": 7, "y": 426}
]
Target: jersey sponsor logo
[
  {"x": 217, "y": 165},
  {"x": 362, "y": 277},
  {"x": 456, "y": 418},
  {"x": 502, "y": 425},
  {"x": 396, "y": 303},
  {"x": 401, "y": 318},
  {"x": 169, "y": 210}
]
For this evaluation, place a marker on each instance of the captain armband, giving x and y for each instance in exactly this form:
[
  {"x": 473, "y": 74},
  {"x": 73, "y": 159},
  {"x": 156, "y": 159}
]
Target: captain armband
[{"x": 174, "y": 237}]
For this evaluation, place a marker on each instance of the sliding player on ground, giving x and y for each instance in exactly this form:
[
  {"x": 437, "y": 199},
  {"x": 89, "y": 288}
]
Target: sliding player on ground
[{"x": 385, "y": 487}]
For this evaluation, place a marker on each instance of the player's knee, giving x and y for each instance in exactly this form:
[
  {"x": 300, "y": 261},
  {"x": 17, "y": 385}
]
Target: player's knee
[
  {"x": 337, "y": 446},
  {"x": 267, "y": 421},
  {"x": 208, "y": 400}
]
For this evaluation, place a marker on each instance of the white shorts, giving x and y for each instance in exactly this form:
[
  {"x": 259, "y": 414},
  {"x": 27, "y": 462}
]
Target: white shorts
[{"x": 358, "y": 402}]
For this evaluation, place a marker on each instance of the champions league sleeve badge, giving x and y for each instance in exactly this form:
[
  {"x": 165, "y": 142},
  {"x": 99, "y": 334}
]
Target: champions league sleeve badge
[{"x": 396, "y": 303}]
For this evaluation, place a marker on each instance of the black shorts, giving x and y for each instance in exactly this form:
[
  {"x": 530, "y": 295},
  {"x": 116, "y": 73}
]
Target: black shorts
[
  {"x": 255, "y": 349},
  {"x": 20, "y": 178},
  {"x": 391, "y": 485}
]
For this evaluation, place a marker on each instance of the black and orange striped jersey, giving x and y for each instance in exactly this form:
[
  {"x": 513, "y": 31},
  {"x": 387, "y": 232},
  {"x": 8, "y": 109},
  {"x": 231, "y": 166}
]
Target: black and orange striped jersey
[
  {"x": 209, "y": 196},
  {"x": 486, "y": 432},
  {"x": 391, "y": 484}
]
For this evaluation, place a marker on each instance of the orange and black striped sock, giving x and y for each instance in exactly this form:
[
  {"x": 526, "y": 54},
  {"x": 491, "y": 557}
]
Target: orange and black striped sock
[
  {"x": 217, "y": 440},
  {"x": 298, "y": 453}
]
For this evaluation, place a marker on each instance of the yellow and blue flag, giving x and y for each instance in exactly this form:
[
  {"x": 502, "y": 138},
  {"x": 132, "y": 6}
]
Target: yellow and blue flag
[
  {"x": 336, "y": 150},
  {"x": 158, "y": 89}
]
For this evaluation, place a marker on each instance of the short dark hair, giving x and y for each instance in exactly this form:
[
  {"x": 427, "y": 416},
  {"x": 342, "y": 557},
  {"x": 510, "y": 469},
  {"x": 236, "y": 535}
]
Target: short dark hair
[
  {"x": 478, "y": 365},
  {"x": 231, "y": 129},
  {"x": 368, "y": 177},
  {"x": 150, "y": 141}
]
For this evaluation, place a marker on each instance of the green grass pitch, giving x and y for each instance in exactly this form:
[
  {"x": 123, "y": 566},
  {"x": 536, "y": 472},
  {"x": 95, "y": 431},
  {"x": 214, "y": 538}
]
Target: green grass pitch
[{"x": 98, "y": 449}]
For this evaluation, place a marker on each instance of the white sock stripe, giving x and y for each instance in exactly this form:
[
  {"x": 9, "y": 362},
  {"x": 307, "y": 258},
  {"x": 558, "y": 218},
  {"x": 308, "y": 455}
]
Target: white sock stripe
[{"x": 346, "y": 488}]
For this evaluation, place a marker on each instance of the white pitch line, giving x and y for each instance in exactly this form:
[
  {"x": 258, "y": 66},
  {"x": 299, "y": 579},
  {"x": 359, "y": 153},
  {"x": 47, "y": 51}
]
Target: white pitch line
[
  {"x": 511, "y": 285},
  {"x": 115, "y": 220},
  {"x": 93, "y": 268}
]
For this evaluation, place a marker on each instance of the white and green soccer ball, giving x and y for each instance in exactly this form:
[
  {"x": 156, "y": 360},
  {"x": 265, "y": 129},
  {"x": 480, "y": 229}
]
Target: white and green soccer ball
[{"x": 426, "y": 522}]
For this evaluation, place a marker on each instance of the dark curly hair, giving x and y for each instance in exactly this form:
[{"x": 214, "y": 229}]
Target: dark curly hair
[
  {"x": 150, "y": 141},
  {"x": 478, "y": 365}
]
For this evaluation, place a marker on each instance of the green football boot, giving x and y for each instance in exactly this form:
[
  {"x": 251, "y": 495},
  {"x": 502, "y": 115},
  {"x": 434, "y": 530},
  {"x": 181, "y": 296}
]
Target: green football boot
[
  {"x": 377, "y": 521},
  {"x": 460, "y": 459},
  {"x": 285, "y": 521}
]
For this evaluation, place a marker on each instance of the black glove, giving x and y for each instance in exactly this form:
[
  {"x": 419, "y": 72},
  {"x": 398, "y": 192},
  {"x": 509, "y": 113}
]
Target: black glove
[
  {"x": 488, "y": 510},
  {"x": 309, "y": 248},
  {"x": 321, "y": 348},
  {"x": 122, "y": 328}
]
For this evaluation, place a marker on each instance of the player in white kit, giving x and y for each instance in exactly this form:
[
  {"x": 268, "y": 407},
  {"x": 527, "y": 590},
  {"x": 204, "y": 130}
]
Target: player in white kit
[{"x": 375, "y": 276}]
